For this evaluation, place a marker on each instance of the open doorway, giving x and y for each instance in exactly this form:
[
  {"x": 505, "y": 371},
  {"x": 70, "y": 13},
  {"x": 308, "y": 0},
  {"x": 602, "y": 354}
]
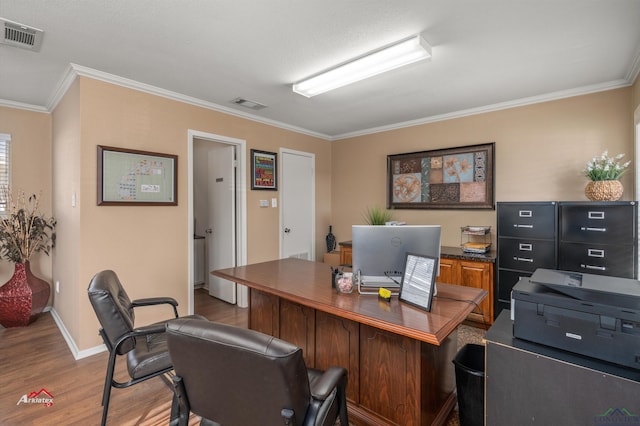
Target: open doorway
[{"x": 217, "y": 212}]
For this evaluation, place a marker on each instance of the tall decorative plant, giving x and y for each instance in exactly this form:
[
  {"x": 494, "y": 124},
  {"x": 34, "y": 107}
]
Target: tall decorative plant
[{"x": 25, "y": 230}]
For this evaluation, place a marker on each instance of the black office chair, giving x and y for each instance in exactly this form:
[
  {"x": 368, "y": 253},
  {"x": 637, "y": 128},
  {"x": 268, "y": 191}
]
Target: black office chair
[
  {"x": 234, "y": 376},
  {"x": 146, "y": 347}
]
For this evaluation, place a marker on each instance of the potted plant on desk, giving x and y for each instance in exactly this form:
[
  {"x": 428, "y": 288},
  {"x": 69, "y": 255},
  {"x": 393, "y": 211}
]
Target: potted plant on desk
[
  {"x": 23, "y": 232},
  {"x": 377, "y": 216}
]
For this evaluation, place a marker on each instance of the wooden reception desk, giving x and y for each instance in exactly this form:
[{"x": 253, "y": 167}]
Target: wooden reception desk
[{"x": 399, "y": 357}]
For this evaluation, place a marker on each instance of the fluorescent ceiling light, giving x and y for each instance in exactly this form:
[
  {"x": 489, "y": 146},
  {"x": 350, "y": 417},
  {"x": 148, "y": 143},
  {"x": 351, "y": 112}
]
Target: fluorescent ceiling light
[{"x": 388, "y": 58}]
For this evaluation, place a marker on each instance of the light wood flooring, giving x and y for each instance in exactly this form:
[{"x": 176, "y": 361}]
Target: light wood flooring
[{"x": 36, "y": 357}]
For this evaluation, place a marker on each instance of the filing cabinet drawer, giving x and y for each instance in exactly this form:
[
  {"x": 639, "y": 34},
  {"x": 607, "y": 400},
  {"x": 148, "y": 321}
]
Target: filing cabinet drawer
[
  {"x": 609, "y": 223},
  {"x": 526, "y": 255},
  {"x": 507, "y": 280},
  {"x": 600, "y": 259},
  {"x": 530, "y": 220}
]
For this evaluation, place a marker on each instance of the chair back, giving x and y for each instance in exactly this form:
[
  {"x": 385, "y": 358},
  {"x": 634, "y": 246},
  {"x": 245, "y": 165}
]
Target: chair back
[
  {"x": 236, "y": 376},
  {"x": 113, "y": 309}
]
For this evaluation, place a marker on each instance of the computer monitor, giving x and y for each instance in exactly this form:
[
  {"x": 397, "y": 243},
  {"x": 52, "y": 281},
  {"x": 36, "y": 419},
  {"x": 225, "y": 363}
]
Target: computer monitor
[{"x": 380, "y": 251}]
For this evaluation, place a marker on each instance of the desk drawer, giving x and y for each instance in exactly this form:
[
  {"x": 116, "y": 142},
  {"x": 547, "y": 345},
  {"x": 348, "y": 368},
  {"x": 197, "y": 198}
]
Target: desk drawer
[
  {"x": 527, "y": 220},
  {"x": 600, "y": 259},
  {"x": 526, "y": 255},
  {"x": 604, "y": 223}
]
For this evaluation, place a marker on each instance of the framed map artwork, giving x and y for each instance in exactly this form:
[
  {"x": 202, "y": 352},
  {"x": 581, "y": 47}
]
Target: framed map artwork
[
  {"x": 450, "y": 178},
  {"x": 131, "y": 177}
]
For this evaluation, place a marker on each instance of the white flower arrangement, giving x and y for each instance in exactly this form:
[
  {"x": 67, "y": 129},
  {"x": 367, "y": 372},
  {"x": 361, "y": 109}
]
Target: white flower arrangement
[{"x": 605, "y": 167}]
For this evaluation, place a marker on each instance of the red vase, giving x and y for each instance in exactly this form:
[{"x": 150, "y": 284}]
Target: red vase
[{"x": 23, "y": 297}]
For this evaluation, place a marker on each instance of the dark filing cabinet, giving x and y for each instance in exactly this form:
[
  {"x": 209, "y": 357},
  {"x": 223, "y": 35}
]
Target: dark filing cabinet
[
  {"x": 598, "y": 238},
  {"x": 527, "y": 240},
  {"x": 588, "y": 237}
]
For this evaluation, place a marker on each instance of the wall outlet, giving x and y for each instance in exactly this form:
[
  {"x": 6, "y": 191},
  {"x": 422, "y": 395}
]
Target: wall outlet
[{"x": 57, "y": 286}]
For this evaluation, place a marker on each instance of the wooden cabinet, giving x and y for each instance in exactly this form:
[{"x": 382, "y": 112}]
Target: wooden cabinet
[
  {"x": 345, "y": 254},
  {"x": 470, "y": 273}
]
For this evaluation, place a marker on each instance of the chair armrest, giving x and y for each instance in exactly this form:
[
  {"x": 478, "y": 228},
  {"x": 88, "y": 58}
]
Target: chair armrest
[
  {"x": 141, "y": 331},
  {"x": 329, "y": 380},
  {"x": 151, "y": 301}
]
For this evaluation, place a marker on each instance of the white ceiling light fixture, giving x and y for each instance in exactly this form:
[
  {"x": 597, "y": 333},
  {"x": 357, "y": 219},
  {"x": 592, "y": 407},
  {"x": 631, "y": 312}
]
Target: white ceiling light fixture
[{"x": 396, "y": 55}]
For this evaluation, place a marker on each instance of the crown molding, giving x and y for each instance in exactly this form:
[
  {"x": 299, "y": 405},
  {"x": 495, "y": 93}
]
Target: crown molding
[
  {"x": 75, "y": 70},
  {"x": 585, "y": 90},
  {"x": 21, "y": 105}
]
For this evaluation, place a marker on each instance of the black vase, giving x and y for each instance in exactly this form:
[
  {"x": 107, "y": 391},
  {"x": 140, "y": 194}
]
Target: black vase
[{"x": 331, "y": 241}]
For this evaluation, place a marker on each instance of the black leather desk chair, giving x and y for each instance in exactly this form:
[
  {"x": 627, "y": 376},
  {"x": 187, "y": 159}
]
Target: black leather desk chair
[
  {"x": 234, "y": 376},
  {"x": 145, "y": 347}
]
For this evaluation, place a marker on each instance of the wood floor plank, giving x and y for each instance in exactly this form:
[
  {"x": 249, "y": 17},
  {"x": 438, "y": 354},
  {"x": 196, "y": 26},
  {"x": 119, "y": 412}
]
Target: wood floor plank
[{"x": 37, "y": 357}]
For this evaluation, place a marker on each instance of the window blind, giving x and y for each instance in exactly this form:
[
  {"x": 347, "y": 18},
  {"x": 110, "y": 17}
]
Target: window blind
[{"x": 5, "y": 169}]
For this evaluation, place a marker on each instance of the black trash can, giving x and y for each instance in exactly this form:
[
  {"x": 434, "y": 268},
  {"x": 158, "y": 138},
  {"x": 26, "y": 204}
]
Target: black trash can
[{"x": 469, "y": 366}]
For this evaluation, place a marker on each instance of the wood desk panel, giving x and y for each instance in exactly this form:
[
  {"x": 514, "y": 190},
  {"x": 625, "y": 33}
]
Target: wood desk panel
[{"x": 398, "y": 356}]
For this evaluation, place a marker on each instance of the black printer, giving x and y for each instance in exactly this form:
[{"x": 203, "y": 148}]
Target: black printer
[{"x": 591, "y": 315}]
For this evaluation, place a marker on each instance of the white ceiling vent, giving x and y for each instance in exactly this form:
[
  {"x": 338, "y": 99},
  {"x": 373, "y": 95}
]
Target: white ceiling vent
[
  {"x": 248, "y": 104},
  {"x": 19, "y": 35}
]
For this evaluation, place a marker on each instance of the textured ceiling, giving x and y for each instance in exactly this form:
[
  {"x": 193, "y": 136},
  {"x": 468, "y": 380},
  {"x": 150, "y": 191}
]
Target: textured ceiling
[{"x": 486, "y": 54}]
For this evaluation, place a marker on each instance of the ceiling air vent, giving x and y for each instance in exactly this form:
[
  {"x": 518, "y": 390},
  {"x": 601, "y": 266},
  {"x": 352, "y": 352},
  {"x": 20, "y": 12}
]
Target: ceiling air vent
[
  {"x": 248, "y": 104},
  {"x": 19, "y": 35}
]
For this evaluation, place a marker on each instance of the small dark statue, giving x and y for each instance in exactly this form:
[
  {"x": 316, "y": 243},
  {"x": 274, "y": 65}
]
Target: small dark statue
[{"x": 331, "y": 241}]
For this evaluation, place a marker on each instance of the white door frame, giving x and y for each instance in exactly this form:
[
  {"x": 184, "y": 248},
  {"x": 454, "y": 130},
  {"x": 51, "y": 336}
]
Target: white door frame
[
  {"x": 241, "y": 220},
  {"x": 311, "y": 155}
]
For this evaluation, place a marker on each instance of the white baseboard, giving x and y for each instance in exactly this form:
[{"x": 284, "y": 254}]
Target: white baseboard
[{"x": 77, "y": 354}]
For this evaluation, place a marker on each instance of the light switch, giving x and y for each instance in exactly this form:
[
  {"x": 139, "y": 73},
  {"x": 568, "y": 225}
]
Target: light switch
[{"x": 274, "y": 202}]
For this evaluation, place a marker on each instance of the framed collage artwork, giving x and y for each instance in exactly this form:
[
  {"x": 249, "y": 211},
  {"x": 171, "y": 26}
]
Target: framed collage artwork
[{"x": 450, "y": 178}]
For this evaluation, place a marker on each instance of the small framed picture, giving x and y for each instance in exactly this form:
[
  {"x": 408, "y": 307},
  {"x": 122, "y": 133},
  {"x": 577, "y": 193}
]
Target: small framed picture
[
  {"x": 264, "y": 170},
  {"x": 418, "y": 281}
]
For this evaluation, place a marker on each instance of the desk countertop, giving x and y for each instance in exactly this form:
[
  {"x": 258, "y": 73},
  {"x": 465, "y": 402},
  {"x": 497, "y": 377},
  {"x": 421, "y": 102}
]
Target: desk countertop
[{"x": 309, "y": 284}]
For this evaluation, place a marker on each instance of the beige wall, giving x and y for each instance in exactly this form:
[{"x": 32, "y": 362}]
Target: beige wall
[
  {"x": 540, "y": 151},
  {"x": 69, "y": 302},
  {"x": 147, "y": 246},
  {"x": 30, "y": 170}
]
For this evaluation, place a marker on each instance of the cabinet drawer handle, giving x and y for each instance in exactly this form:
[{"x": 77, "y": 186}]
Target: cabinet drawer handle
[
  {"x": 596, "y": 215},
  {"x": 589, "y": 229},
  {"x": 595, "y": 253},
  {"x": 597, "y": 268},
  {"x": 525, "y": 213},
  {"x": 515, "y": 225},
  {"x": 525, "y": 247},
  {"x": 523, "y": 259}
]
